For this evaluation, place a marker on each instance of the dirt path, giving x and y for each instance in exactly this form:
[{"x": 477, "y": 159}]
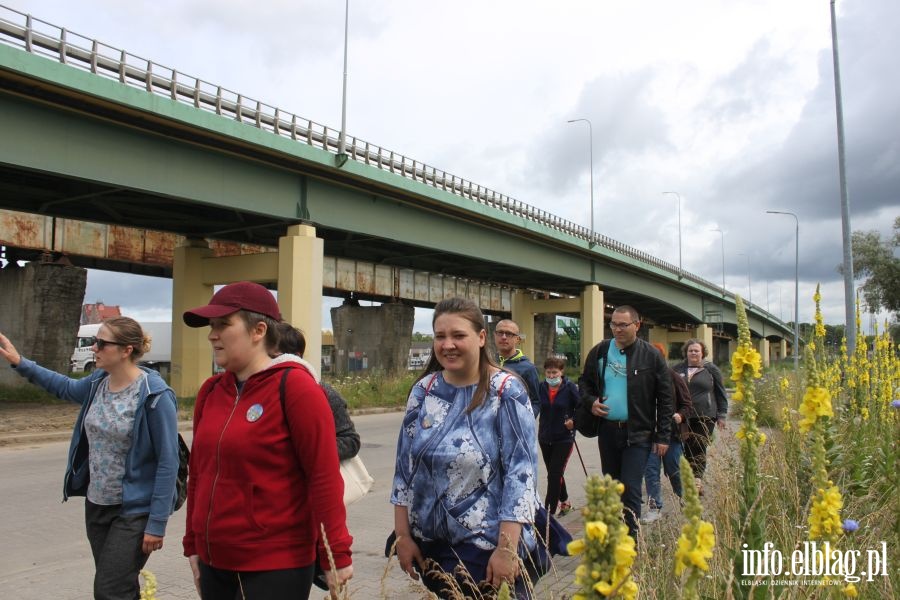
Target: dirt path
[{"x": 22, "y": 422}]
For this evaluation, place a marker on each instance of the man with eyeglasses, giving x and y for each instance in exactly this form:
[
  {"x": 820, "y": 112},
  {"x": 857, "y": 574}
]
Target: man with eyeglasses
[
  {"x": 627, "y": 404},
  {"x": 506, "y": 337}
]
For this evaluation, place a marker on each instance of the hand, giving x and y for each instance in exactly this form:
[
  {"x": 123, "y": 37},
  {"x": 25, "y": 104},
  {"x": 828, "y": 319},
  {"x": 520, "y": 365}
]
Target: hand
[
  {"x": 151, "y": 543},
  {"x": 337, "y": 578},
  {"x": 599, "y": 409},
  {"x": 194, "y": 561},
  {"x": 407, "y": 553},
  {"x": 8, "y": 351},
  {"x": 677, "y": 418},
  {"x": 660, "y": 449},
  {"x": 569, "y": 423},
  {"x": 503, "y": 566},
  {"x": 720, "y": 423}
]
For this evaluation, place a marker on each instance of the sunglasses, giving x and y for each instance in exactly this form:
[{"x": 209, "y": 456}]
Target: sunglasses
[{"x": 101, "y": 343}]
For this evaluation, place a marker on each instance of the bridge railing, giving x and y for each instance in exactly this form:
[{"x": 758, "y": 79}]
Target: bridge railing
[{"x": 57, "y": 43}]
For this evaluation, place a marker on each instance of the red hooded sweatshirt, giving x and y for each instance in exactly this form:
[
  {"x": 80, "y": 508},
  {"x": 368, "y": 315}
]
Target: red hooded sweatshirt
[{"x": 258, "y": 491}]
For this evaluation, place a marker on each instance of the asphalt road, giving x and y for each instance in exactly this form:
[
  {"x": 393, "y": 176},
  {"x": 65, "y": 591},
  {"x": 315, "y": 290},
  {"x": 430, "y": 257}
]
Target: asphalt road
[{"x": 44, "y": 552}]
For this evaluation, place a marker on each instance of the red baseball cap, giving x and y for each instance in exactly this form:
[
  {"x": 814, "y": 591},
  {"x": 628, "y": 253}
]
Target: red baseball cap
[{"x": 243, "y": 295}]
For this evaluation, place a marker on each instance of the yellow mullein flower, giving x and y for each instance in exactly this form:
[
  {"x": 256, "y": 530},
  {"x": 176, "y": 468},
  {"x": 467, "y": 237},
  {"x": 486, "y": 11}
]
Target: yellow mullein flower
[
  {"x": 816, "y": 403},
  {"x": 596, "y": 530},
  {"x": 148, "y": 592},
  {"x": 575, "y": 547},
  {"x": 850, "y": 591},
  {"x": 825, "y": 515}
]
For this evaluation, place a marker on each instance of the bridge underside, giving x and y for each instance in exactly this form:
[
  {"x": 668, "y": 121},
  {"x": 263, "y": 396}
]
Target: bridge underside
[{"x": 47, "y": 193}]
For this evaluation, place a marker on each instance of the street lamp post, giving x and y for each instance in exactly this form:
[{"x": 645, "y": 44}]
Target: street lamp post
[
  {"x": 749, "y": 285},
  {"x": 342, "y": 139},
  {"x": 796, "y": 284},
  {"x": 678, "y": 196},
  {"x": 591, "y": 134},
  {"x": 722, "y": 233}
]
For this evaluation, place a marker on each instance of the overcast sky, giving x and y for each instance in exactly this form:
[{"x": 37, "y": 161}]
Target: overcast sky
[{"x": 730, "y": 103}]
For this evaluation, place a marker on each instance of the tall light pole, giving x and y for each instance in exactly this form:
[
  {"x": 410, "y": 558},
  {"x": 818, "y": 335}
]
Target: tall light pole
[
  {"x": 796, "y": 283},
  {"x": 849, "y": 309},
  {"x": 342, "y": 139},
  {"x": 722, "y": 233},
  {"x": 749, "y": 286},
  {"x": 591, "y": 134},
  {"x": 678, "y": 196}
]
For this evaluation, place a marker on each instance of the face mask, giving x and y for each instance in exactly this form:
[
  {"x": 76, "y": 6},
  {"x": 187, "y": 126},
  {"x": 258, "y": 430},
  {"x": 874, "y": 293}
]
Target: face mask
[{"x": 554, "y": 381}]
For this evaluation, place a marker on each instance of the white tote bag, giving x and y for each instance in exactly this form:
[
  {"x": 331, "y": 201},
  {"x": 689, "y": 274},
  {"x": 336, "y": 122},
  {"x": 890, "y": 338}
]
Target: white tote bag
[{"x": 357, "y": 481}]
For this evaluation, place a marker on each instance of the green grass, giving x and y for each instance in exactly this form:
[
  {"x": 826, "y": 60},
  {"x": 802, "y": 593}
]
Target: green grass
[{"x": 376, "y": 389}]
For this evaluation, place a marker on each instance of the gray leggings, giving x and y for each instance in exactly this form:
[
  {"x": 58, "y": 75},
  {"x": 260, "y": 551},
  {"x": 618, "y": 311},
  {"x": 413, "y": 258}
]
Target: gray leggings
[{"x": 116, "y": 541}]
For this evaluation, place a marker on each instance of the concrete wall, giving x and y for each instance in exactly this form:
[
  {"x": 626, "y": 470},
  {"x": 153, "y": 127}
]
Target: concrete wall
[
  {"x": 40, "y": 310},
  {"x": 372, "y": 337}
]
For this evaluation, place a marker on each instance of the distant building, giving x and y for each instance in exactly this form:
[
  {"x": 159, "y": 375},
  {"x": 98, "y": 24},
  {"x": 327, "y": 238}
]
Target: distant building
[
  {"x": 419, "y": 354},
  {"x": 96, "y": 313}
]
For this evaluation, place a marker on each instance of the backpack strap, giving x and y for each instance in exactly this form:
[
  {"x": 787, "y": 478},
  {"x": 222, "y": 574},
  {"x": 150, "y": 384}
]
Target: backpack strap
[{"x": 281, "y": 394}]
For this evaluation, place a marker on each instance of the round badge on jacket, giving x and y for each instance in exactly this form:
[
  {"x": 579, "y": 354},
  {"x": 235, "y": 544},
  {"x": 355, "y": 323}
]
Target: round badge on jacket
[{"x": 254, "y": 413}]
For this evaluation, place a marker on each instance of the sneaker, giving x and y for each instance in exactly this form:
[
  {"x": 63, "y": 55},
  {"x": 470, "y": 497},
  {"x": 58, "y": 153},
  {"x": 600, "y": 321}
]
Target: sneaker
[
  {"x": 653, "y": 515},
  {"x": 564, "y": 508}
]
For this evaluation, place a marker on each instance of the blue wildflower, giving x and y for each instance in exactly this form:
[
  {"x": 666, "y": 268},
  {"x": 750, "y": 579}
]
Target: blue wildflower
[
  {"x": 850, "y": 525},
  {"x": 896, "y": 403}
]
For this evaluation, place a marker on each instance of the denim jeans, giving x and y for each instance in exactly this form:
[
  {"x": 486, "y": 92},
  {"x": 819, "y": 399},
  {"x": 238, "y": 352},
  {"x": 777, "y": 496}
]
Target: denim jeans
[
  {"x": 625, "y": 462},
  {"x": 670, "y": 463}
]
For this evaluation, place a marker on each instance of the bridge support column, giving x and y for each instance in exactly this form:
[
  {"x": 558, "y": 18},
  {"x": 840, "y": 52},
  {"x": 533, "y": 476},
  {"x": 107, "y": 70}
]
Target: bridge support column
[
  {"x": 658, "y": 334},
  {"x": 591, "y": 318},
  {"x": 523, "y": 315},
  {"x": 704, "y": 333},
  {"x": 40, "y": 305},
  {"x": 782, "y": 349},
  {"x": 300, "y": 266},
  {"x": 590, "y": 306},
  {"x": 764, "y": 351},
  {"x": 191, "y": 354}
]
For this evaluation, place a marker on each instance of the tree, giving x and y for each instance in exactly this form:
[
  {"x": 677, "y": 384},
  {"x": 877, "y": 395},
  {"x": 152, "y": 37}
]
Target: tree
[{"x": 874, "y": 260}]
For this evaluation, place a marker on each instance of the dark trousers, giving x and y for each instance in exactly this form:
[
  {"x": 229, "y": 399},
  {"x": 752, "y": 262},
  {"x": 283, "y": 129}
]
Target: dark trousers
[
  {"x": 116, "y": 543},
  {"x": 556, "y": 456},
  {"x": 626, "y": 462},
  {"x": 279, "y": 584},
  {"x": 696, "y": 443}
]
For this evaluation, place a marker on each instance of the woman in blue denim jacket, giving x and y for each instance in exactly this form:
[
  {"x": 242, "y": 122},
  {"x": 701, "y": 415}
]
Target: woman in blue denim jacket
[{"x": 124, "y": 452}]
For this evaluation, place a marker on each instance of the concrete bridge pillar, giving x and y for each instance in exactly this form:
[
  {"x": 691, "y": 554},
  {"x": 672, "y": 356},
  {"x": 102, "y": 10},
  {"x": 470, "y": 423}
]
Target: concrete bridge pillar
[
  {"x": 40, "y": 309},
  {"x": 297, "y": 270},
  {"x": 658, "y": 335},
  {"x": 372, "y": 337},
  {"x": 704, "y": 333},
  {"x": 591, "y": 318},
  {"x": 589, "y": 306},
  {"x": 191, "y": 354},
  {"x": 300, "y": 266},
  {"x": 782, "y": 349},
  {"x": 764, "y": 351}
]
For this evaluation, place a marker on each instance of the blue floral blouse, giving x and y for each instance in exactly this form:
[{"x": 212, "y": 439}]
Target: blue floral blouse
[{"x": 461, "y": 474}]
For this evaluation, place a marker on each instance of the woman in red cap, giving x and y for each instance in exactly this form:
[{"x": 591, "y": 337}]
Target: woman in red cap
[{"x": 253, "y": 520}]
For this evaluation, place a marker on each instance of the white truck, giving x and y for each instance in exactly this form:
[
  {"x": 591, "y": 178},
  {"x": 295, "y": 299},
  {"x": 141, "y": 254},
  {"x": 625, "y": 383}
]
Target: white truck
[{"x": 159, "y": 358}]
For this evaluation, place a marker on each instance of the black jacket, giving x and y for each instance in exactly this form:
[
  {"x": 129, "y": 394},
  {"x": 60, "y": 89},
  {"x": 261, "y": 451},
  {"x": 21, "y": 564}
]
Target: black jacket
[
  {"x": 552, "y": 426},
  {"x": 650, "y": 396},
  {"x": 708, "y": 393}
]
